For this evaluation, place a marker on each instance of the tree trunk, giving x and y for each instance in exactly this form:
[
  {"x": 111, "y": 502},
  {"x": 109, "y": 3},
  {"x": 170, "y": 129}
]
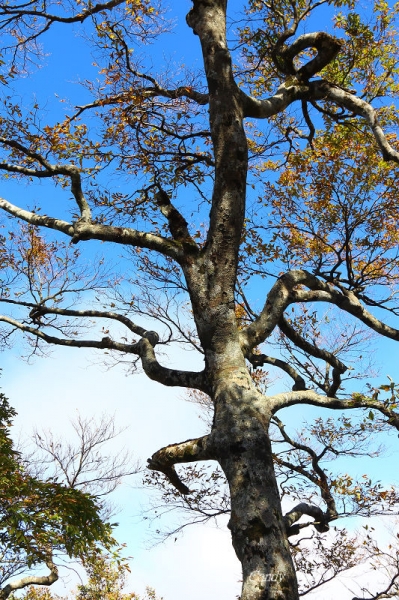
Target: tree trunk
[
  {"x": 245, "y": 455},
  {"x": 240, "y": 441},
  {"x": 240, "y": 433}
]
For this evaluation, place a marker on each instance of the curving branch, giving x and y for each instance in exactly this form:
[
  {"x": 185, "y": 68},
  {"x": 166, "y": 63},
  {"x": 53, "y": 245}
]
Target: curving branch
[
  {"x": 49, "y": 170},
  {"x": 258, "y": 360},
  {"x": 144, "y": 349},
  {"x": 290, "y": 519},
  {"x": 327, "y": 47},
  {"x": 320, "y": 479},
  {"x": 166, "y": 376},
  {"x": 31, "y": 580},
  {"x": 40, "y": 310},
  {"x": 363, "y": 109},
  {"x": 285, "y": 292},
  {"x": 189, "y": 451},
  {"x": 288, "y": 92},
  {"x": 338, "y": 367},
  {"x": 279, "y": 297},
  {"x": 288, "y": 330},
  {"x": 295, "y": 89},
  {"x": 346, "y": 301}
]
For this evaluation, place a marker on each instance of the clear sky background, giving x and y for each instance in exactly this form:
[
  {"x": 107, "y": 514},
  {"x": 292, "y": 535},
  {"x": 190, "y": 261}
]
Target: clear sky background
[{"x": 49, "y": 392}]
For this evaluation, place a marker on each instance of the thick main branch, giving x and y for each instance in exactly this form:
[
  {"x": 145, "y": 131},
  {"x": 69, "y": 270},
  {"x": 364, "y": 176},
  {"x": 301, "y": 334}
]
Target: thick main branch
[
  {"x": 144, "y": 349},
  {"x": 189, "y": 451}
]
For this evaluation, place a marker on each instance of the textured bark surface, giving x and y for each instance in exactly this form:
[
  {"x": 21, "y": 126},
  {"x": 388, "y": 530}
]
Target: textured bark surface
[
  {"x": 257, "y": 527},
  {"x": 240, "y": 433}
]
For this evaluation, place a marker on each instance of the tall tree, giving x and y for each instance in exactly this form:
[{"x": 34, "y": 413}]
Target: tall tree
[{"x": 303, "y": 119}]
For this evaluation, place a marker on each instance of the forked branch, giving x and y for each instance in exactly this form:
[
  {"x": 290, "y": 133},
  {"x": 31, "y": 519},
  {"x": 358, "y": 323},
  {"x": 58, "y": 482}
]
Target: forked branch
[
  {"x": 49, "y": 170},
  {"x": 289, "y": 289},
  {"x": 295, "y": 89},
  {"x": 338, "y": 367},
  {"x": 80, "y": 230},
  {"x": 319, "y": 478},
  {"x": 258, "y": 360}
]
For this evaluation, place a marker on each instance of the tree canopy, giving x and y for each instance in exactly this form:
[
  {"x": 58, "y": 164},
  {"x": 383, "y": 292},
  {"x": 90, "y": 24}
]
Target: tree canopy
[
  {"x": 249, "y": 182},
  {"x": 41, "y": 517}
]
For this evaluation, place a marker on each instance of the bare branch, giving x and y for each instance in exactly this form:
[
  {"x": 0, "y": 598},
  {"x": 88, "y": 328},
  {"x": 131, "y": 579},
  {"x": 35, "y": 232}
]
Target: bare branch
[
  {"x": 284, "y": 293},
  {"x": 81, "y": 230},
  {"x": 146, "y": 93},
  {"x": 310, "y": 397},
  {"x": 85, "y": 463},
  {"x": 346, "y": 301},
  {"x": 258, "y": 360},
  {"x": 50, "y": 170},
  {"x": 18, "y": 12},
  {"x": 387, "y": 592},
  {"x": 338, "y": 367},
  {"x": 144, "y": 348},
  {"x": 320, "y": 480},
  {"x": 42, "y": 310},
  {"x": 301, "y": 509}
]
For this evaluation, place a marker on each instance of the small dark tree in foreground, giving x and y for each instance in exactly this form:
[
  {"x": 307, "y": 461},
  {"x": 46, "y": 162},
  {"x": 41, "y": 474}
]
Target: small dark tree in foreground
[
  {"x": 54, "y": 508},
  {"x": 256, "y": 200},
  {"x": 40, "y": 518}
]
